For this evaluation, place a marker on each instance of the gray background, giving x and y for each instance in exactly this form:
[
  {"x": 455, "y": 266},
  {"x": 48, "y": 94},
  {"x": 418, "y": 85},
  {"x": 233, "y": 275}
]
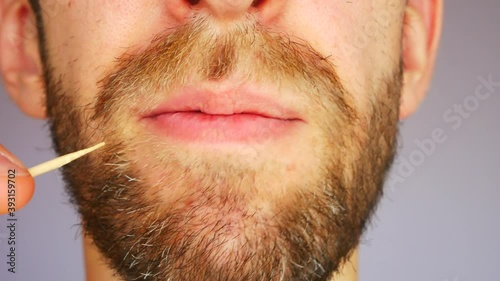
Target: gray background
[{"x": 440, "y": 222}]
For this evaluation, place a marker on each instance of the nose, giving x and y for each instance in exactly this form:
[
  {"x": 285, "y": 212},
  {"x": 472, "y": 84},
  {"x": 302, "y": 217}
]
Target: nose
[{"x": 227, "y": 10}]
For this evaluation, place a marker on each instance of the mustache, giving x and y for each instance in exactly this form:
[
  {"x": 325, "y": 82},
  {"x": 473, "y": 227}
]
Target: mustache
[{"x": 202, "y": 50}]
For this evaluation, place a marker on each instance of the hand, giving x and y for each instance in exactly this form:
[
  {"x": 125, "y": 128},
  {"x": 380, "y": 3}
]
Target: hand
[{"x": 16, "y": 184}]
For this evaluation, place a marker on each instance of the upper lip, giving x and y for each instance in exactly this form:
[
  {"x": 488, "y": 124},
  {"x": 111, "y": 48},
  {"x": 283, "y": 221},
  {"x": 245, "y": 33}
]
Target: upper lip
[{"x": 241, "y": 100}]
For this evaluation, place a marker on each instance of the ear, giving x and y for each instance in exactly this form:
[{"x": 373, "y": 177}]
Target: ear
[
  {"x": 20, "y": 63},
  {"x": 421, "y": 33}
]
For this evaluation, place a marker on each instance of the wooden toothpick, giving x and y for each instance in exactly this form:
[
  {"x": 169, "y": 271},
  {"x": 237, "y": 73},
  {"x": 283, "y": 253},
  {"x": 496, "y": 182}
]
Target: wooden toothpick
[{"x": 61, "y": 161}]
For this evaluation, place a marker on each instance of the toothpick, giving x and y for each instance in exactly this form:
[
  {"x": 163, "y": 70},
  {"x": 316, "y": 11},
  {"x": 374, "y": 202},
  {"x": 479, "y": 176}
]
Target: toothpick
[{"x": 61, "y": 161}]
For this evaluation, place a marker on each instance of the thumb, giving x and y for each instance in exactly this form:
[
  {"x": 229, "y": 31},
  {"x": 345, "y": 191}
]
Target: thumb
[{"x": 16, "y": 184}]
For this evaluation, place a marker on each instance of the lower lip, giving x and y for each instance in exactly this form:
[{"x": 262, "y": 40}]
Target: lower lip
[{"x": 201, "y": 127}]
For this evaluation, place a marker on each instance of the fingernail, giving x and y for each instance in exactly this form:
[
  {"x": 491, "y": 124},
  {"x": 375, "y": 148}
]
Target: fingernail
[{"x": 10, "y": 168}]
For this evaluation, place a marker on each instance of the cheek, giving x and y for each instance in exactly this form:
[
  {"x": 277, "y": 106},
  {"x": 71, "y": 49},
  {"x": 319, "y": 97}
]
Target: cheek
[
  {"x": 362, "y": 39},
  {"x": 85, "y": 38}
]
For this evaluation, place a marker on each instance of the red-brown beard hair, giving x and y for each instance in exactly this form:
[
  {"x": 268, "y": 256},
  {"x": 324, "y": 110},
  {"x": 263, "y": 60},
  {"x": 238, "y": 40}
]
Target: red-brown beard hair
[{"x": 305, "y": 237}]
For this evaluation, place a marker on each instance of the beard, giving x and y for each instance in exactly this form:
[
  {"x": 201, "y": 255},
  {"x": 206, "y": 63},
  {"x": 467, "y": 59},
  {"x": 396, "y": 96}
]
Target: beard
[{"x": 161, "y": 211}]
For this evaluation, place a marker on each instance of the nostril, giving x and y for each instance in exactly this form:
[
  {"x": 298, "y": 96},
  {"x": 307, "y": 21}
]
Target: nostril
[
  {"x": 193, "y": 2},
  {"x": 257, "y": 3}
]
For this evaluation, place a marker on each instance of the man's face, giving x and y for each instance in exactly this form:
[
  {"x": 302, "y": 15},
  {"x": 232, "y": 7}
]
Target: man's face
[{"x": 240, "y": 145}]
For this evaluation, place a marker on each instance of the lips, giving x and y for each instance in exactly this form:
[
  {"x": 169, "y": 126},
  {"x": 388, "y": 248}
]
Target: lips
[{"x": 232, "y": 115}]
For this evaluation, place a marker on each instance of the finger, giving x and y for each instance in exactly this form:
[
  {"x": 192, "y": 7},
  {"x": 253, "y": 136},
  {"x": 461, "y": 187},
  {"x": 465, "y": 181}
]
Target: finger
[{"x": 16, "y": 184}]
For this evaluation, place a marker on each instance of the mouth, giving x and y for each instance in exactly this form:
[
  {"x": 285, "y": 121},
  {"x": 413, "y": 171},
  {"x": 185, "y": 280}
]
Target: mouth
[{"x": 206, "y": 115}]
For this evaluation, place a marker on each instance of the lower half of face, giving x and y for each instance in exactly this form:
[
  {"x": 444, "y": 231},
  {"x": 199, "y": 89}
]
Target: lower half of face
[{"x": 287, "y": 201}]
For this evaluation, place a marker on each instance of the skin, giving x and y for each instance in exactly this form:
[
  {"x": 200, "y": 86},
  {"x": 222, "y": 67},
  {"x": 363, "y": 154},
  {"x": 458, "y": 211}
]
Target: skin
[{"x": 85, "y": 36}]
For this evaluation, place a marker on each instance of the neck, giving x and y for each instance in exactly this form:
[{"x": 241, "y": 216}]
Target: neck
[{"x": 97, "y": 270}]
